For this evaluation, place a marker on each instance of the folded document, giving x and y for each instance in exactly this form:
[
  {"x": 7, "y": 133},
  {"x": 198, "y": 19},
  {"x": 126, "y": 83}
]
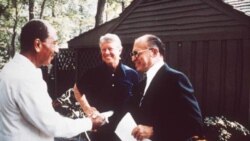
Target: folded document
[{"x": 125, "y": 127}]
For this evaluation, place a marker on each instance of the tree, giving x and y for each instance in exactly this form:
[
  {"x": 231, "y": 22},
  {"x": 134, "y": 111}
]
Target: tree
[
  {"x": 11, "y": 17},
  {"x": 3, "y": 8},
  {"x": 99, "y": 13},
  {"x": 109, "y": 9},
  {"x": 70, "y": 18},
  {"x": 42, "y": 9},
  {"x": 31, "y": 9}
]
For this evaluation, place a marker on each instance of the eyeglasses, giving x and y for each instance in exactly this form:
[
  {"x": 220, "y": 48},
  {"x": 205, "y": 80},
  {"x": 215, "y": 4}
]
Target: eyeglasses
[{"x": 137, "y": 53}]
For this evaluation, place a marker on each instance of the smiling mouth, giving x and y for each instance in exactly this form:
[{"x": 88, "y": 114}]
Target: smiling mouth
[{"x": 108, "y": 57}]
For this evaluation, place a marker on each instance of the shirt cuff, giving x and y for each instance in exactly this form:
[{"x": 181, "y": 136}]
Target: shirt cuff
[{"x": 87, "y": 124}]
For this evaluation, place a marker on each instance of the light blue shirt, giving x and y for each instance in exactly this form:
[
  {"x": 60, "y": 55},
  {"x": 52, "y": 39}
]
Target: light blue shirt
[{"x": 26, "y": 112}]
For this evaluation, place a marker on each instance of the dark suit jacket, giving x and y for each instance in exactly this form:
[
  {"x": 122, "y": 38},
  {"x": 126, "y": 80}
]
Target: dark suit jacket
[{"x": 169, "y": 106}]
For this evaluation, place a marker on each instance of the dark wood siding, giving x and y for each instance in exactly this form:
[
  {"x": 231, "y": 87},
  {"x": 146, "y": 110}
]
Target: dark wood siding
[
  {"x": 218, "y": 71},
  {"x": 176, "y": 17},
  {"x": 242, "y": 5}
]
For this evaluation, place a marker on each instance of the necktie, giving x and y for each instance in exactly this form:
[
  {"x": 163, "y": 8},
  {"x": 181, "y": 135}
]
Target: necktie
[{"x": 143, "y": 85}]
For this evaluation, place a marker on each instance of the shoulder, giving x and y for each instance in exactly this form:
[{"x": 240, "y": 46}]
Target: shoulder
[
  {"x": 171, "y": 71},
  {"x": 130, "y": 73},
  {"x": 128, "y": 69},
  {"x": 175, "y": 79},
  {"x": 173, "y": 74}
]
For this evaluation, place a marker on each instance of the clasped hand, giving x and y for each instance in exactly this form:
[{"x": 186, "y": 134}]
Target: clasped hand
[{"x": 97, "y": 119}]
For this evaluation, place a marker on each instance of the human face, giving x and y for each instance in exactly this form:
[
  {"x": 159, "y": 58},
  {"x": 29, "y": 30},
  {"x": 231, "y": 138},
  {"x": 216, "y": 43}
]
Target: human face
[
  {"x": 110, "y": 53},
  {"x": 49, "y": 48},
  {"x": 141, "y": 56}
]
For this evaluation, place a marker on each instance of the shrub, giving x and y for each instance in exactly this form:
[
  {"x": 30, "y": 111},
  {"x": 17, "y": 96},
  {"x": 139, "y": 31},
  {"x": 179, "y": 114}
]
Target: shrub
[{"x": 221, "y": 129}]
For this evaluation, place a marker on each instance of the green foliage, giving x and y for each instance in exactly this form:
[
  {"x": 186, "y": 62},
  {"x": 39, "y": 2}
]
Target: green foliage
[
  {"x": 221, "y": 129},
  {"x": 115, "y": 5},
  {"x": 70, "y": 18},
  {"x": 3, "y": 56}
]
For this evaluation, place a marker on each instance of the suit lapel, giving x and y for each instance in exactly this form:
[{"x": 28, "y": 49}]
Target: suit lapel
[{"x": 152, "y": 88}]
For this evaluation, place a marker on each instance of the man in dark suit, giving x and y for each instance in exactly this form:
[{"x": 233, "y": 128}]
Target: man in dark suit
[{"x": 166, "y": 109}]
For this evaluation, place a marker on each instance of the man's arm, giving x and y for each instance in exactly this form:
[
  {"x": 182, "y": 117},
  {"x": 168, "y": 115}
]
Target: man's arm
[{"x": 81, "y": 98}]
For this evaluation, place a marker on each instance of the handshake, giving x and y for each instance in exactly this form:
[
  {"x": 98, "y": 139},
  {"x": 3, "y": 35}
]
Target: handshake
[{"x": 99, "y": 119}]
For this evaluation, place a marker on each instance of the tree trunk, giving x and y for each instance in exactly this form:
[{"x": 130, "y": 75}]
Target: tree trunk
[
  {"x": 11, "y": 49},
  {"x": 53, "y": 9},
  {"x": 123, "y": 5},
  {"x": 99, "y": 13},
  {"x": 42, "y": 9},
  {"x": 31, "y": 9}
]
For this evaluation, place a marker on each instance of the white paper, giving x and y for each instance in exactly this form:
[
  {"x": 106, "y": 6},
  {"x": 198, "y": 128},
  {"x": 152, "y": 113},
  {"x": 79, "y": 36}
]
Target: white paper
[{"x": 125, "y": 127}]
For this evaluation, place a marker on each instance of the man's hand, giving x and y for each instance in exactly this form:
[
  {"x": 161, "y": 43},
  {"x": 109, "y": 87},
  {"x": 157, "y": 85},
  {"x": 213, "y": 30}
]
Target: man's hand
[
  {"x": 91, "y": 111},
  {"x": 97, "y": 120},
  {"x": 142, "y": 132}
]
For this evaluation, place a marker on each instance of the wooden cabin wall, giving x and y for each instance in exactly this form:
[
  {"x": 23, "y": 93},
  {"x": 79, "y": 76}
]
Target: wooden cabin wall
[{"x": 219, "y": 71}]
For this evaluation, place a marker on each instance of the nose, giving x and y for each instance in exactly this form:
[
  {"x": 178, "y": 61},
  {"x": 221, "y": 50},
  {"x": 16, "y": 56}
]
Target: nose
[{"x": 105, "y": 51}]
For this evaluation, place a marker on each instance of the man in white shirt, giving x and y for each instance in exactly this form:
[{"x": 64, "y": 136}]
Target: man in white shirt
[{"x": 26, "y": 111}]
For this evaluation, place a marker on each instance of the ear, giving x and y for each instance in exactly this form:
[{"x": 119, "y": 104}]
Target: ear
[
  {"x": 120, "y": 50},
  {"x": 37, "y": 45},
  {"x": 155, "y": 50}
]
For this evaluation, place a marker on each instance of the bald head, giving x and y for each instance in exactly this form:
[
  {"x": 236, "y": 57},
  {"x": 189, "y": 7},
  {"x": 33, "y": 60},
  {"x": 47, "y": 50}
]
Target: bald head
[{"x": 152, "y": 41}]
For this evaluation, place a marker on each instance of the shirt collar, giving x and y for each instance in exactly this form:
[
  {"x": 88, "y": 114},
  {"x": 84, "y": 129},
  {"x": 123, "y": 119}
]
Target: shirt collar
[
  {"x": 154, "y": 69},
  {"x": 25, "y": 61},
  {"x": 19, "y": 58},
  {"x": 120, "y": 70},
  {"x": 152, "y": 72}
]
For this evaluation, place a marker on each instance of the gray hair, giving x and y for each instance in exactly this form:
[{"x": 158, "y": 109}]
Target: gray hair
[{"x": 110, "y": 38}]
